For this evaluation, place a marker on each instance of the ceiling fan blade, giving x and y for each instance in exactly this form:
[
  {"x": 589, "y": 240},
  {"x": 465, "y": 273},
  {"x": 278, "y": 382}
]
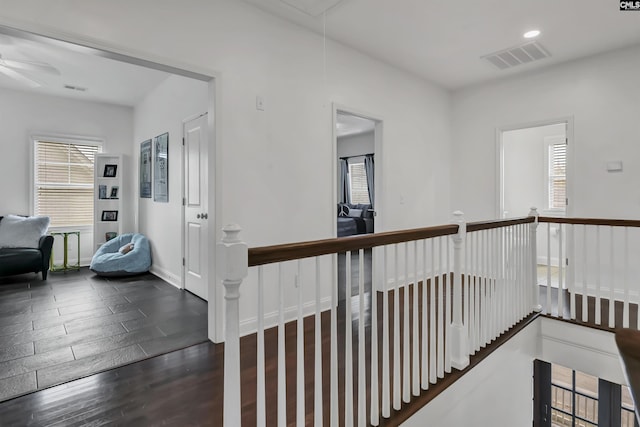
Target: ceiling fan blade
[
  {"x": 18, "y": 77},
  {"x": 31, "y": 66}
]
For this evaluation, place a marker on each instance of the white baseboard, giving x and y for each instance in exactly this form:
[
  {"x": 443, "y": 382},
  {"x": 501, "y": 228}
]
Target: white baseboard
[
  {"x": 250, "y": 325},
  {"x": 167, "y": 276}
]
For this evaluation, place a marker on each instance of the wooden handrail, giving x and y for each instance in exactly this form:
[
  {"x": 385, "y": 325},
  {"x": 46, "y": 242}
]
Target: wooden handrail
[
  {"x": 591, "y": 221},
  {"x": 628, "y": 342},
  {"x": 292, "y": 251},
  {"x": 488, "y": 225}
]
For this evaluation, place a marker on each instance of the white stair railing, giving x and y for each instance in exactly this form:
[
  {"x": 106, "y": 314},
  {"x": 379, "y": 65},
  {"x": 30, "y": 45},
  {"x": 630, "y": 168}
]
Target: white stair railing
[{"x": 439, "y": 303}]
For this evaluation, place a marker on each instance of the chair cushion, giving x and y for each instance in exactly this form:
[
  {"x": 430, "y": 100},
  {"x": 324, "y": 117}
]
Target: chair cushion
[{"x": 109, "y": 261}]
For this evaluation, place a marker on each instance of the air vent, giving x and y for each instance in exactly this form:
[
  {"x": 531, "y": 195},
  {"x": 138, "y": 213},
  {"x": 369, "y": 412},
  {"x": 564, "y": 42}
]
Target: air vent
[
  {"x": 523, "y": 54},
  {"x": 78, "y": 88}
]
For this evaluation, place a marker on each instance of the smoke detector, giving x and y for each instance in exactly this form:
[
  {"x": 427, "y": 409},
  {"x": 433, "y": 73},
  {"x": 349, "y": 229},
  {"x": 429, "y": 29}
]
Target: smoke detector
[{"x": 521, "y": 54}]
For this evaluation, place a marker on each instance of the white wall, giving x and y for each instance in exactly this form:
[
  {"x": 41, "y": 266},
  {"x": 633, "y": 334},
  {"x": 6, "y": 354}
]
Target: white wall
[
  {"x": 24, "y": 114},
  {"x": 597, "y": 92},
  {"x": 525, "y": 168},
  {"x": 356, "y": 145},
  {"x": 268, "y": 161},
  {"x": 163, "y": 110},
  {"x": 497, "y": 392}
]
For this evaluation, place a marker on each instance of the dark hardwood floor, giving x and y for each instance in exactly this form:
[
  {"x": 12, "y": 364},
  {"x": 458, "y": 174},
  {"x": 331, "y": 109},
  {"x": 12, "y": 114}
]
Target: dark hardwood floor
[
  {"x": 76, "y": 324},
  {"x": 185, "y": 387}
]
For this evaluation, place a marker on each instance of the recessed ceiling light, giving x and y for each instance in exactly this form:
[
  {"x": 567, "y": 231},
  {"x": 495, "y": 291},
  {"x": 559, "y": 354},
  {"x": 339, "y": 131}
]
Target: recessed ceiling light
[{"x": 531, "y": 34}]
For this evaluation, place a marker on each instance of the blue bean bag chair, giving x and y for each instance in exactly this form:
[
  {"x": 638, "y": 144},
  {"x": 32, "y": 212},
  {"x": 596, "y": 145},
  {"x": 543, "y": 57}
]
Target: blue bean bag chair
[{"x": 124, "y": 255}]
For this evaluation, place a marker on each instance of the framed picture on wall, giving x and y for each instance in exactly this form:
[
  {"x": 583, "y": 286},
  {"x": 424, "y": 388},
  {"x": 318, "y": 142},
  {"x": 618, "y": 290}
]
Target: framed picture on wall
[
  {"x": 109, "y": 215},
  {"x": 145, "y": 169},
  {"x": 114, "y": 192},
  {"x": 110, "y": 171},
  {"x": 161, "y": 168}
]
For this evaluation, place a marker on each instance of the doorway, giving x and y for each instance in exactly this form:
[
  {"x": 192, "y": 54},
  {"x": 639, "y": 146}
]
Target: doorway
[
  {"x": 534, "y": 173},
  {"x": 358, "y": 140},
  {"x": 172, "y": 273}
]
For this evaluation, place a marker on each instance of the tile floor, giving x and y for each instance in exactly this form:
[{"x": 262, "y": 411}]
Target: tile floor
[{"x": 75, "y": 324}]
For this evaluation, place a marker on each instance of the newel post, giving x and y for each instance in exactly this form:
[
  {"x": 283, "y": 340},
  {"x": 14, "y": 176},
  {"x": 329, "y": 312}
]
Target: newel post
[
  {"x": 232, "y": 265},
  {"x": 533, "y": 234},
  {"x": 459, "y": 343}
]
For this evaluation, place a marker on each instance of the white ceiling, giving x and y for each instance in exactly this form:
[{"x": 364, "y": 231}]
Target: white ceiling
[
  {"x": 348, "y": 124},
  {"x": 106, "y": 80},
  {"x": 443, "y": 40}
]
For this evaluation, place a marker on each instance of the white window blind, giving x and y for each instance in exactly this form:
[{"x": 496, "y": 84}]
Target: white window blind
[
  {"x": 358, "y": 182},
  {"x": 64, "y": 182},
  {"x": 557, "y": 175}
]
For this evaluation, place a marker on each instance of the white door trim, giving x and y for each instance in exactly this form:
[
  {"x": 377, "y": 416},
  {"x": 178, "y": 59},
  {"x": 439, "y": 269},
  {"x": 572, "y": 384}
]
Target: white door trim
[
  {"x": 47, "y": 35},
  {"x": 378, "y": 150}
]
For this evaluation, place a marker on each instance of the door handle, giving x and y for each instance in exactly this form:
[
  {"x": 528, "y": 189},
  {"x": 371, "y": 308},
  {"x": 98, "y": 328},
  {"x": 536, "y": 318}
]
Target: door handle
[
  {"x": 205, "y": 216},
  {"x": 198, "y": 216}
]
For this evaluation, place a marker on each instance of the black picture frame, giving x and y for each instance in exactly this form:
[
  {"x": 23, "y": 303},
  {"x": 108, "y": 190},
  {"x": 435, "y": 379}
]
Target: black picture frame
[
  {"x": 114, "y": 192},
  {"x": 145, "y": 169},
  {"x": 161, "y": 168},
  {"x": 109, "y": 215},
  {"x": 110, "y": 171}
]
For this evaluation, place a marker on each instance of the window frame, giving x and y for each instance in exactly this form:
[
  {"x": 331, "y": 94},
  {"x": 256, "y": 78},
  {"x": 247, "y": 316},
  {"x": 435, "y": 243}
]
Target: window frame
[
  {"x": 63, "y": 139},
  {"x": 550, "y": 141}
]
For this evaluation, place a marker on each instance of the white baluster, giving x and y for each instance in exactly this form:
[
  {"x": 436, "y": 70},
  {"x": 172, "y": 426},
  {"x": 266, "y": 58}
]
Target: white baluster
[
  {"x": 406, "y": 349},
  {"x": 300, "y": 407},
  {"x": 317, "y": 382},
  {"x": 261, "y": 415},
  {"x": 425, "y": 331},
  {"x": 458, "y": 338},
  {"x": 483, "y": 288},
  {"x": 432, "y": 316},
  {"x": 362, "y": 375},
  {"x": 468, "y": 321},
  {"x": 348, "y": 347},
  {"x": 572, "y": 285},
  {"x": 375, "y": 407},
  {"x": 598, "y": 284},
  {"x": 416, "y": 331},
  {"x": 585, "y": 293},
  {"x": 440, "y": 326},
  {"x": 625, "y": 308},
  {"x": 560, "y": 274},
  {"x": 447, "y": 311},
  {"x": 333, "y": 371},
  {"x": 232, "y": 265},
  {"x": 282, "y": 368},
  {"x": 612, "y": 301},
  {"x": 476, "y": 291},
  {"x": 386, "y": 398},
  {"x": 396, "y": 335},
  {"x": 548, "y": 308}
]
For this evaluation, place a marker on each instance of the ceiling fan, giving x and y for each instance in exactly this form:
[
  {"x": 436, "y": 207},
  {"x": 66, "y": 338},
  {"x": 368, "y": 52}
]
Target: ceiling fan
[{"x": 13, "y": 68}]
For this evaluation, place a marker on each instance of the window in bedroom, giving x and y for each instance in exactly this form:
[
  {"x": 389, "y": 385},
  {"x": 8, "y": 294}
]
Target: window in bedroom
[
  {"x": 358, "y": 182},
  {"x": 556, "y": 173},
  {"x": 63, "y": 181}
]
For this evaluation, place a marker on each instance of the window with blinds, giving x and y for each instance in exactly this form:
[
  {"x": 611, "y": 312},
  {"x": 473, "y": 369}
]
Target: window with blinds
[
  {"x": 557, "y": 173},
  {"x": 358, "y": 182},
  {"x": 63, "y": 180}
]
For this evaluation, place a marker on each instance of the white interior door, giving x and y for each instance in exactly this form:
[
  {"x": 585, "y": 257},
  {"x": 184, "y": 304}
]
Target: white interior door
[{"x": 196, "y": 211}]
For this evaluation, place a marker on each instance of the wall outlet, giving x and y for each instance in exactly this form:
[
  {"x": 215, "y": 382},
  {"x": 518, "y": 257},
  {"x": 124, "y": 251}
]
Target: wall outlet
[{"x": 259, "y": 103}]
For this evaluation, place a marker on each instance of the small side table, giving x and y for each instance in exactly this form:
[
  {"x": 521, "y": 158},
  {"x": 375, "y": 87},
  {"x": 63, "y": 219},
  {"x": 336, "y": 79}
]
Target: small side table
[{"x": 65, "y": 241}]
